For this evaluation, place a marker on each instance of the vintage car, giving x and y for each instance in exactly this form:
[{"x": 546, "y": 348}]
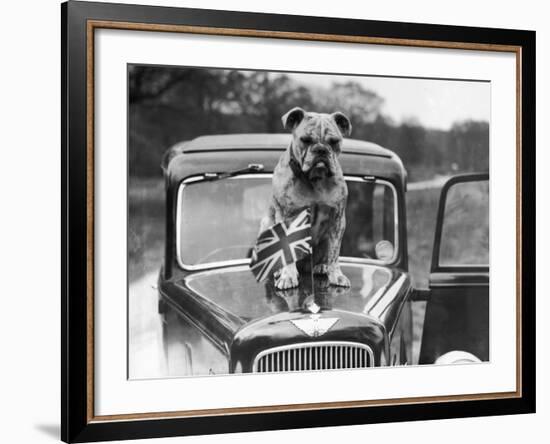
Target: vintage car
[{"x": 218, "y": 319}]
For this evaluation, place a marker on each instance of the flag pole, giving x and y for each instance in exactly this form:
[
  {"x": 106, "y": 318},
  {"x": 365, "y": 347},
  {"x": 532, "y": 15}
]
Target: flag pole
[{"x": 311, "y": 255}]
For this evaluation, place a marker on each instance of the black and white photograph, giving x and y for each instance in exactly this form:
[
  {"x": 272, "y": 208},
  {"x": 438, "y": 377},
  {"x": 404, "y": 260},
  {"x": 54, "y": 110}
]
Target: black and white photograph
[
  {"x": 243, "y": 222},
  {"x": 293, "y": 221}
]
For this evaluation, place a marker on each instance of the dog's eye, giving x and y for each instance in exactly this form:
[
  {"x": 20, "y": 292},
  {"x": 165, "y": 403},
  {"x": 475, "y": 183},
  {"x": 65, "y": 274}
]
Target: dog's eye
[
  {"x": 306, "y": 139},
  {"x": 333, "y": 141}
]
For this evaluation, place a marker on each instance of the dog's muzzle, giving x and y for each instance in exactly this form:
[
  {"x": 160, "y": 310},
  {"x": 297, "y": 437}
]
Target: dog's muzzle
[
  {"x": 318, "y": 162},
  {"x": 320, "y": 168}
]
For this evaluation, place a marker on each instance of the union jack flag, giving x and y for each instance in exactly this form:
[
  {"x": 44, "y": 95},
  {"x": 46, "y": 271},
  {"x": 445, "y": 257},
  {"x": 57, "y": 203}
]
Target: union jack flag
[{"x": 281, "y": 244}]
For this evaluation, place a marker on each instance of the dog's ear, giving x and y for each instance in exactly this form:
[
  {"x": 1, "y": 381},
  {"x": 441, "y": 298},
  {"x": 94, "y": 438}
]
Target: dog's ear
[
  {"x": 343, "y": 123},
  {"x": 293, "y": 118}
]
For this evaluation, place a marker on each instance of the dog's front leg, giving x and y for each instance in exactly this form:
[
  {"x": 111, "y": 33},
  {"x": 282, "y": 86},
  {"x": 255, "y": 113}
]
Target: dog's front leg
[
  {"x": 287, "y": 278},
  {"x": 332, "y": 268}
]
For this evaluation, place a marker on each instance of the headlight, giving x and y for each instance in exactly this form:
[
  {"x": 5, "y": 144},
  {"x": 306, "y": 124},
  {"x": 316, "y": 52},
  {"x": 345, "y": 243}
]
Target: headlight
[{"x": 384, "y": 250}]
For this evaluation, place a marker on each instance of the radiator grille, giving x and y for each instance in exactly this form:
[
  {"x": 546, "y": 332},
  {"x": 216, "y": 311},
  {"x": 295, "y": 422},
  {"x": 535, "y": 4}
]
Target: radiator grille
[{"x": 314, "y": 356}]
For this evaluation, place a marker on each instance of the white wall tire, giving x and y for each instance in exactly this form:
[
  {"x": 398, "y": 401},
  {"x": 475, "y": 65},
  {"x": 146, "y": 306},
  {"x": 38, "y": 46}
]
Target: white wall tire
[{"x": 457, "y": 357}]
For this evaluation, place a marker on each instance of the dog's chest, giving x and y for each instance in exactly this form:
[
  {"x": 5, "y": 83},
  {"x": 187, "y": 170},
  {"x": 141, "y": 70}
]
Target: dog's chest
[
  {"x": 322, "y": 218},
  {"x": 299, "y": 195}
]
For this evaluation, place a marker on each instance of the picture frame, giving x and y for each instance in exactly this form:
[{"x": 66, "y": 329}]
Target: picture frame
[{"x": 80, "y": 21}]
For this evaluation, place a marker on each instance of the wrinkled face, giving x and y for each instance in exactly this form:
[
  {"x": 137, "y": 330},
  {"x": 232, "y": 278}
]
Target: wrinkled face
[{"x": 317, "y": 140}]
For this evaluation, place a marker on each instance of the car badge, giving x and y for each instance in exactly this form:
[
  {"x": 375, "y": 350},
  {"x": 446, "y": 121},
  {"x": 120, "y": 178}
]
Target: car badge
[{"x": 315, "y": 326}]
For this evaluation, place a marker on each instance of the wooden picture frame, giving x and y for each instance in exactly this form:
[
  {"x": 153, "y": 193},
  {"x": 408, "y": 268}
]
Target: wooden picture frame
[{"x": 79, "y": 22}]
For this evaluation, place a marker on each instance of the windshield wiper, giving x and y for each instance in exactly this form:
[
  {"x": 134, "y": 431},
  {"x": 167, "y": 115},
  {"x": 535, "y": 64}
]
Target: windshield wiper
[{"x": 251, "y": 168}]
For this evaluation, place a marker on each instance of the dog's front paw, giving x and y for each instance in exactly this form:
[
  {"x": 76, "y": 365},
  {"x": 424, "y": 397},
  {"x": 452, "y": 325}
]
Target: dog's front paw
[
  {"x": 288, "y": 278},
  {"x": 321, "y": 269},
  {"x": 336, "y": 277}
]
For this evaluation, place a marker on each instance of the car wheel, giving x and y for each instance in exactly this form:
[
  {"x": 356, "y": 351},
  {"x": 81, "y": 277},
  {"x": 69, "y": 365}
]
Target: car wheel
[{"x": 457, "y": 357}]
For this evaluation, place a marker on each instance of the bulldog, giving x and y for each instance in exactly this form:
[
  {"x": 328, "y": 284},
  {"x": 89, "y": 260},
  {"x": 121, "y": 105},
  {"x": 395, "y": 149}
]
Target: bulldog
[{"x": 309, "y": 174}]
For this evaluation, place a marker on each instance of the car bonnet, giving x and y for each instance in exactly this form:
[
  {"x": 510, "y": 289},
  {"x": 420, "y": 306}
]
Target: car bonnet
[{"x": 235, "y": 290}]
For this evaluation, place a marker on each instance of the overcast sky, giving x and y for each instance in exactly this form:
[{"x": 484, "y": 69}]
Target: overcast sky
[{"x": 435, "y": 103}]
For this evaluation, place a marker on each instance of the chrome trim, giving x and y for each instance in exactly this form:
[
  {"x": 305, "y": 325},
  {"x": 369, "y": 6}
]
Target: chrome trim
[
  {"x": 323, "y": 355},
  {"x": 233, "y": 262},
  {"x": 376, "y": 306}
]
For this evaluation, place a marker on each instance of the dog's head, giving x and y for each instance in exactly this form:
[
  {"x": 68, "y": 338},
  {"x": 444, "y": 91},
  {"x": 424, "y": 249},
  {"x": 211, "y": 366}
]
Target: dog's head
[{"x": 316, "y": 140}]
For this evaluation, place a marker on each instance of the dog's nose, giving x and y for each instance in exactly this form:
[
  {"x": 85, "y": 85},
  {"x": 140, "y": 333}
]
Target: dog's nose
[{"x": 320, "y": 150}]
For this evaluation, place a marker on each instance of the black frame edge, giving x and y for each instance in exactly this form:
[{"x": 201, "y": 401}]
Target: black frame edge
[
  {"x": 142, "y": 429},
  {"x": 292, "y": 23},
  {"x": 528, "y": 210},
  {"x": 74, "y": 425},
  {"x": 64, "y": 145},
  {"x": 74, "y": 243}
]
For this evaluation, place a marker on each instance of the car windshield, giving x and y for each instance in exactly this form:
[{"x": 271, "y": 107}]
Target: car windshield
[{"x": 219, "y": 220}]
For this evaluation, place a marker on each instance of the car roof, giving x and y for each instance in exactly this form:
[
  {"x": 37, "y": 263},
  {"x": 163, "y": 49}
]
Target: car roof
[
  {"x": 268, "y": 141},
  {"x": 229, "y": 152}
]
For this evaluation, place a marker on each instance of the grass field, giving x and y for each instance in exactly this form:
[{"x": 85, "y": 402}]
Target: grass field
[
  {"x": 145, "y": 226},
  {"x": 421, "y": 218},
  {"x": 146, "y": 236}
]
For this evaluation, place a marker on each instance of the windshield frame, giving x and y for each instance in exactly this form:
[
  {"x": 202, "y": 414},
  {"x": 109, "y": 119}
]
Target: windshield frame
[{"x": 245, "y": 261}]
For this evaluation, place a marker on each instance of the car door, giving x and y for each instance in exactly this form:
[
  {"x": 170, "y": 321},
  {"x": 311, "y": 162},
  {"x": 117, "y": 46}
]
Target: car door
[{"x": 456, "y": 324}]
